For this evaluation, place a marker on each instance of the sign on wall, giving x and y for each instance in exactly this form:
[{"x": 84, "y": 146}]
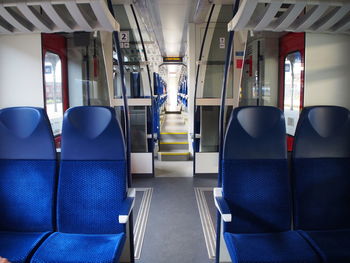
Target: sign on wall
[
  {"x": 124, "y": 39},
  {"x": 222, "y": 42}
]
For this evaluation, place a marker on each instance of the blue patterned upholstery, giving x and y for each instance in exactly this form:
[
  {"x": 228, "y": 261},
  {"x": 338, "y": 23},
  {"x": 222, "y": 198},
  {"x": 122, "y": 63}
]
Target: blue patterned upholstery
[
  {"x": 27, "y": 181},
  {"x": 283, "y": 247},
  {"x": 91, "y": 189},
  {"x": 255, "y": 185},
  {"x": 333, "y": 245},
  {"x": 17, "y": 246},
  {"x": 258, "y": 195},
  {"x": 321, "y": 165},
  {"x": 90, "y": 196},
  {"x": 80, "y": 248},
  {"x": 255, "y": 172}
]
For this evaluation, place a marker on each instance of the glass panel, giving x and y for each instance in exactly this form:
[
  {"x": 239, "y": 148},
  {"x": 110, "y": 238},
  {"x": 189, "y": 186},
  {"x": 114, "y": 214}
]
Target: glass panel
[
  {"x": 138, "y": 128},
  {"x": 211, "y": 71},
  {"x": 260, "y": 71},
  {"x": 87, "y": 78},
  {"x": 292, "y": 90},
  {"x": 53, "y": 91}
]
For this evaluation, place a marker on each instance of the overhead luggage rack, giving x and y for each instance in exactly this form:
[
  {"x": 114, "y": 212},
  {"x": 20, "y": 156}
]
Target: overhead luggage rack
[
  {"x": 55, "y": 16},
  {"x": 319, "y": 16}
]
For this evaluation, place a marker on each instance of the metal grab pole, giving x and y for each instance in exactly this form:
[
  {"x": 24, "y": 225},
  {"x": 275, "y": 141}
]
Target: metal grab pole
[
  {"x": 222, "y": 133},
  {"x": 222, "y": 125},
  {"x": 127, "y": 127}
]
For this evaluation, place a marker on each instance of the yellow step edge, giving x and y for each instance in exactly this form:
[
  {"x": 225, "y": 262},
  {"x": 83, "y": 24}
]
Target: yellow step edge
[
  {"x": 169, "y": 153},
  {"x": 174, "y": 133},
  {"x": 173, "y": 142}
]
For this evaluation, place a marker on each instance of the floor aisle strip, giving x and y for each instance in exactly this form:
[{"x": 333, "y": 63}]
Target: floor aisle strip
[
  {"x": 141, "y": 220},
  {"x": 206, "y": 220}
]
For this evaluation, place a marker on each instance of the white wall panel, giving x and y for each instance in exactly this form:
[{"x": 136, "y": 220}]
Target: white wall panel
[
  {"x": 327, "y": 64},
  {"x": 141, "y": 163},
  {"x": 21, "y": 79},
  {"x": 207, "y": 163}
]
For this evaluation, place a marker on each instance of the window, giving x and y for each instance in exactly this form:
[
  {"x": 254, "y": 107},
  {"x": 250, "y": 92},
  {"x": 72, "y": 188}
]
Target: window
[
  {"x": 53, "y": 91},
  {"x": 293, "y": 70}
]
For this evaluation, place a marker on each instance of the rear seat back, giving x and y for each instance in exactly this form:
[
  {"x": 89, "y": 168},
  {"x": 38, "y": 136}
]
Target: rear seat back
[
  {"x": 321, "y": 169},
  {"x": 92, "y": 182},
  {"x": 255, "y": 172},
  {"x": 27, "y": 170}
]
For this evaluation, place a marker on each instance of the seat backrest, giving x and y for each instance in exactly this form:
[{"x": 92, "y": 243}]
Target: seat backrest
[
  {"x": 255, "y": 172},
  {"x": 321, "y": 169},
  {"x": 27, "y": 170},
  {"x": 92, "y": 182}
]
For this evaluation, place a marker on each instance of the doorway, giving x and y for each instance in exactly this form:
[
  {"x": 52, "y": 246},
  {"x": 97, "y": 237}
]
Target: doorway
[
  {"x": 291, "y": 91},
  {"x": 55, "y": 81}
]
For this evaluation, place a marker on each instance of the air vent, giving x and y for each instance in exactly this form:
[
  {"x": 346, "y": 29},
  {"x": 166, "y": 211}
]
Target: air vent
[
  {"x": 55, "y": 16},
  {"x": 293, "y": 16}
]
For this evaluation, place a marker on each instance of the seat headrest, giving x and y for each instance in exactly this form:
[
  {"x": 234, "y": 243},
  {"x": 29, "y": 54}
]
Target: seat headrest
[
  {"x": 25, "y": 134},
  {"x": 323, "y": 132},
  {"x": 91, "y": 133},
  {"x": 255, "y": 133}
]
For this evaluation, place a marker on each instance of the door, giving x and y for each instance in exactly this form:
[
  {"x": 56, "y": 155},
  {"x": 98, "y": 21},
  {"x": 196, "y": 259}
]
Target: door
[
  {"x": 55, "y": 81},
  {"x": 291, "y": 92}
]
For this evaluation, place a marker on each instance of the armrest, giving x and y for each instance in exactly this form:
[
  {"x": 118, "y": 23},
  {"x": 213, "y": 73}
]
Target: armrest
[
  {"x": 222, "y": 205},
  {"x": 127, "y": 206}
]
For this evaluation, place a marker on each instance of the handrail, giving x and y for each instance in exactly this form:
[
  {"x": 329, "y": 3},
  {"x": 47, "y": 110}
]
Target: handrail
[
  {"x": 222, "y": 124},
  {"x": 127, "y": 126}
]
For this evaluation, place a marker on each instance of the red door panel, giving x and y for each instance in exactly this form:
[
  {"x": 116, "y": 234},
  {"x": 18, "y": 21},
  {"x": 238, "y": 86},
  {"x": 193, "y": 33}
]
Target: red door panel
[
  {"x": 291, "y": 91},
  {"x": 55, "y": 80}
]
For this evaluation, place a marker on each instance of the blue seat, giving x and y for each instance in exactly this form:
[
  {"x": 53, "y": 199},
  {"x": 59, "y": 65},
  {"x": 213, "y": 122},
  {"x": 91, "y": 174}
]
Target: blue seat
[
  {"x": 255, "y": 198},
  {"x": 321, "y": 165},
  {"x": 27, "y": 181},
  {"x": 92, "y": 190}
]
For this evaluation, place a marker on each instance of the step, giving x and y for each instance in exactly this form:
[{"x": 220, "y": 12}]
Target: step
[
  {"x": 172, "y": 145},
  {"x": 174, "y": 156},
  {"x": 173, "y": 112},
  {"x": 174, "y": 136}
]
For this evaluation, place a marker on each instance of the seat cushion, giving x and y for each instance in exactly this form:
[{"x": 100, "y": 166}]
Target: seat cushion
[
  {"x": 282, "y": 247},
  {"x": 333, "y": 245},
  {"x": 79, "y": 248},
  {"x": 17, "y": 246}
]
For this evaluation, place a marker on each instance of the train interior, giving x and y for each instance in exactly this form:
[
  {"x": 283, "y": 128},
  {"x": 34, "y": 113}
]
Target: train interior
[{"x": 160, "y": 131}]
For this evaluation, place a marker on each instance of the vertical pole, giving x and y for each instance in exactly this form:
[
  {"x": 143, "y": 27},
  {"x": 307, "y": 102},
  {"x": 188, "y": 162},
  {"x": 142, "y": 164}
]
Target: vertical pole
[
  {"x": 87, "y": 64},
  {"x": 127, "y": 127},
  {"x": 222, "y": 125},
  {"x": 258, "y": 84}
]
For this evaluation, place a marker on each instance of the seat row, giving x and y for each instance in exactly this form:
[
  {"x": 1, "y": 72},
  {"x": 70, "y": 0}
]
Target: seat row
[
  {"x": 76, "y": 212},
  {"x": 271, "y": 215}
]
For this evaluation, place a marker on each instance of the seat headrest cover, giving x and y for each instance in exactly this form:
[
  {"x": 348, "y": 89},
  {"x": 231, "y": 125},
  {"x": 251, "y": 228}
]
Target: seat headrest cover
[
  {"x": 91, "y": 133},
  {"x": 255, "y": 133},
  {"x": 25, "y": 133},
  {"x": 323, "y": 132}
]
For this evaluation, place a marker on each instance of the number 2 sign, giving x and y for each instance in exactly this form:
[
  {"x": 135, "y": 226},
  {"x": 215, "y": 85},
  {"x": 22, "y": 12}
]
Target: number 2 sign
[{"x": 124, "y": 36}]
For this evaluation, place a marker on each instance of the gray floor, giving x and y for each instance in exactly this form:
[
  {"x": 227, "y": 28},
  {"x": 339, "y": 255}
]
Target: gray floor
[{"x": 174, "y": 233}]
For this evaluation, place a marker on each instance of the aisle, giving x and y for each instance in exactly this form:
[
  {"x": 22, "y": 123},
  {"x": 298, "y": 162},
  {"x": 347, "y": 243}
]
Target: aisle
[{"x": 174, "y": 231}]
